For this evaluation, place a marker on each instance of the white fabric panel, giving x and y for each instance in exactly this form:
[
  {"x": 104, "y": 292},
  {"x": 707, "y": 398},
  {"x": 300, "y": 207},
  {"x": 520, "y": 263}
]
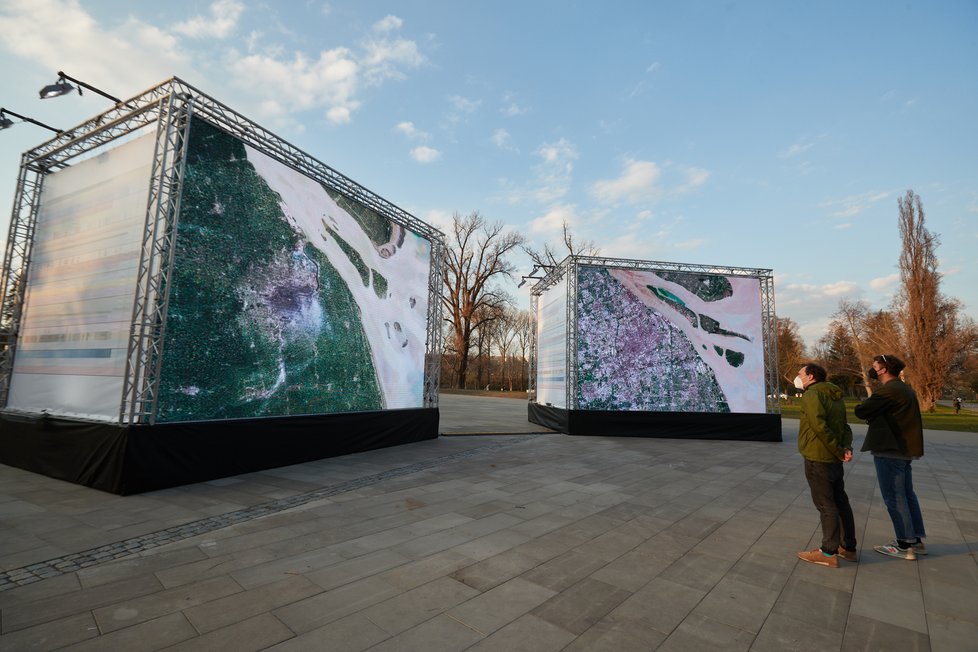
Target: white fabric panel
[
  {"x": 70, "y": 357},
  {"x": 552, "y": 346}
]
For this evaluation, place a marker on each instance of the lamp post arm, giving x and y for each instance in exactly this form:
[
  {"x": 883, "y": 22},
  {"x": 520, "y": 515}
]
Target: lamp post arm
[
  {"x": 89, "y": 87},
  {"x": 5, "y": 111}
]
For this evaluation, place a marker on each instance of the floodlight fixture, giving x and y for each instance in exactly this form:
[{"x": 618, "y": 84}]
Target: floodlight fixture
[
  {"x": 6, "y": 122},
  {"x": 62, "y": 87},
  {"x": 532, "y": 273}
]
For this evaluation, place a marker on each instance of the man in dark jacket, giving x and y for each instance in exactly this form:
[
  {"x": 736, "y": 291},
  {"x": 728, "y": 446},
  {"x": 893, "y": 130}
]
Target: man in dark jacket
[
  {"x": 825, "y": 441},
  {"x": 895, "y": 437}
]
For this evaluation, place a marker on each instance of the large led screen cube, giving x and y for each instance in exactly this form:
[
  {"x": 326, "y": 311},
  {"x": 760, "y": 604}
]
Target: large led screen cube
[
  {"x": 286, "y": 297},
  {"x": 656, "y": 341},
  {"x": 668, "y": 341}
]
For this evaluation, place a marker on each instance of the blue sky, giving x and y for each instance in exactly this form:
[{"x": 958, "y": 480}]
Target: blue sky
[{"x": 758, "y": 134}]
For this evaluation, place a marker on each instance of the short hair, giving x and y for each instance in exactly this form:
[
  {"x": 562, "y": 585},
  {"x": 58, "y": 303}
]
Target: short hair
[
  {"x": 816, "y": 370},
  {"x": 891, "y": 363}
]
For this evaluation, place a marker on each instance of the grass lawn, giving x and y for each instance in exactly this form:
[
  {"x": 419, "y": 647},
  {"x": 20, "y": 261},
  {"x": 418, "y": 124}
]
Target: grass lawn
[{"x": 943, "y": 419}]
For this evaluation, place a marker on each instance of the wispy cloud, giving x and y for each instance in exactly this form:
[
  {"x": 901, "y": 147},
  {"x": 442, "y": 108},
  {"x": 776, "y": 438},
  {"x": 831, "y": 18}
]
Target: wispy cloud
[
  {"x": 425, "y": 154},
  {"x": 510, "y": 108},
  {"x": 884, "y": 282},
  {"x": 408, "y": 129},
  {"x": 502, "y": 139},
  {"x": 219, "y": 24},
  {"x": 274, "y": 81},
  {"x": 642, "y": 182},
  {"x": 551, "y": 178},
  {"x": 552, "y": 222},
  {"x": 811, "y": 305},
  {"x": 853, "y": 205},
  {"x": 463, "y": 104},
  {"x": 388, "y": 24},
  {"x": 51, "y": 32},
  {"x": 796, "y": 149}
]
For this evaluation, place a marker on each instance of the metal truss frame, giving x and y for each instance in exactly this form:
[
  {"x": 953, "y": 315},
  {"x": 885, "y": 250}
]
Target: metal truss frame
[
  {"x": 769, "y": 326},
  {"x": 531, "y": 376},
  {"x": 433, "y": 343},
  {"x": 13, "y": 285},
  {"x": 144, "y": 356},
  {"x": 569, "y": 266},
  {"x": 170, "y": 106}
]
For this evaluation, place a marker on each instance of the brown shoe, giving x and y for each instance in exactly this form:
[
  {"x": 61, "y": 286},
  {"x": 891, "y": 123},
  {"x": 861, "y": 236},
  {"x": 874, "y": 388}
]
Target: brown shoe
[
  {"x": 848, "y": 555},
  {"x": 818, "y": 557}
]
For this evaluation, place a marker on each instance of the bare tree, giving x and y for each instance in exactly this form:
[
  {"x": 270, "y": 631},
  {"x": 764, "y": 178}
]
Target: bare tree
[
  {"x": 523, "y": 328},
  {"x": 930, "y": 320},
  {"x": 791, "y": 351},
  {"x": 853, "y": 317},
  {"x": 476, "y": 256},
  {"x": 838, "y": 354},
  {"x": 548, "y": 256},
  {"x": 883, "y": 332}
]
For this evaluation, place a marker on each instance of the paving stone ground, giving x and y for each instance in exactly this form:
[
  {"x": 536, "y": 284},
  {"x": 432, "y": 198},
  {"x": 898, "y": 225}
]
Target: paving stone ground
[{"x": 514, "y": 541}]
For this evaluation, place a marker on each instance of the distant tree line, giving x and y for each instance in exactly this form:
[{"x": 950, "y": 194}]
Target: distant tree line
[{"x": 924, "y": 327}]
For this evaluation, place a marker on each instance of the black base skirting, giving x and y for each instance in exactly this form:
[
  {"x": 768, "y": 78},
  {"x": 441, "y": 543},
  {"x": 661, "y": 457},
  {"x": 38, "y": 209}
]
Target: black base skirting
[
  {"x": 668, "y": 425},
  {"x": 134, "y": 459}
]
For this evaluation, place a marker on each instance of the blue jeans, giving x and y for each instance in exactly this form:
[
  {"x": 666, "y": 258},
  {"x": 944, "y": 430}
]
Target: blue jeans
[{"x": 896, "y": 486}]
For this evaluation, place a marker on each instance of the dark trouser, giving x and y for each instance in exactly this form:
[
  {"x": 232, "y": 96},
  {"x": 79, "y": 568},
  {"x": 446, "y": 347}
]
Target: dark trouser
[{"x": 825, "y": 479}]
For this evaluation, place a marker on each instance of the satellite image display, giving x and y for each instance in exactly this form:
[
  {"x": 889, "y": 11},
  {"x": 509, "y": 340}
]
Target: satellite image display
[
  {"x": 669, "y": 341},
  {"x": 286, "y": 297}
]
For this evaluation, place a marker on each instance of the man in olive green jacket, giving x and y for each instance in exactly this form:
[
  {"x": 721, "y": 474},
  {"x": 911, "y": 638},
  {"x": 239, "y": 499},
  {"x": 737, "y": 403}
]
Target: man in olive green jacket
[
  {"x": 895, "y": 436},
  {"x": 825, "y": 441}
]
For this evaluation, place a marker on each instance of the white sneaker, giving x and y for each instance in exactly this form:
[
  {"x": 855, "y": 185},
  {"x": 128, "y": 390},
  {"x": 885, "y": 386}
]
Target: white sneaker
[{"x": 893, "y": 550}]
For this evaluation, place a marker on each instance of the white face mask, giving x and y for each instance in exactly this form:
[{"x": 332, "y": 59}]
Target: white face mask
[{"x": 799, "y": 383}]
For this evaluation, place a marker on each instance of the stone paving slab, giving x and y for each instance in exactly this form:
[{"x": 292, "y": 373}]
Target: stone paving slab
[{"x": 516, "y": 541}]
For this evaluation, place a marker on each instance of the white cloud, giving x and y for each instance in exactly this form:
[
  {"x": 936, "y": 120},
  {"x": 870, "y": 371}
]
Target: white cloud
[
  {"x": 884, "y": 282},
  {"x": 811, "y": 306},
  {"x": 512, "y": 110},
  {"x": 270, "y": 79},
  {"x": 219, "y": 24},
  {"x": 463, "y": 104},
  {"x": 500, "y": 138},
  {"x": 329, "y": 82},
  {"x": 843, "y": 227},
  {"x": 388, "y": 24},
  {"x": 643, "y": 182},
  {"x": 653, "y": 67},
  {"x": 553, "y": 175},
  {"x": 551, "y": 178},
  {"x": 340, "y": 115},
  {"x": 440, "y": 219},
  {"x": 853, "y": 205},
  {"x": 52, "y": 34},
  {"x": 693, "y": 178},
  {"x": 424, "y": 154},
  {"x": 637, "y": 182},
  {"x": 552, "y": 222},
  {"x": 412, "y": 132}
]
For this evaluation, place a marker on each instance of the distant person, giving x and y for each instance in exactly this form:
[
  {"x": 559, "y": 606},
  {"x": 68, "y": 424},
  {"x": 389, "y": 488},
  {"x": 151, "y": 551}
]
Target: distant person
[
  {"x": 825, "y": 441},
  {"x": 957, "y": 405},
  {"x": 895, "y": 436}
]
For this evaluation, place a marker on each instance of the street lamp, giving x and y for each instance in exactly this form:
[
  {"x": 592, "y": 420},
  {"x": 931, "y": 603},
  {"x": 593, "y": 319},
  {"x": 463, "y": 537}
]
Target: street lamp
[
  {"x": 6, "y": 122},
  {"x": 62, "y": 87}
]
